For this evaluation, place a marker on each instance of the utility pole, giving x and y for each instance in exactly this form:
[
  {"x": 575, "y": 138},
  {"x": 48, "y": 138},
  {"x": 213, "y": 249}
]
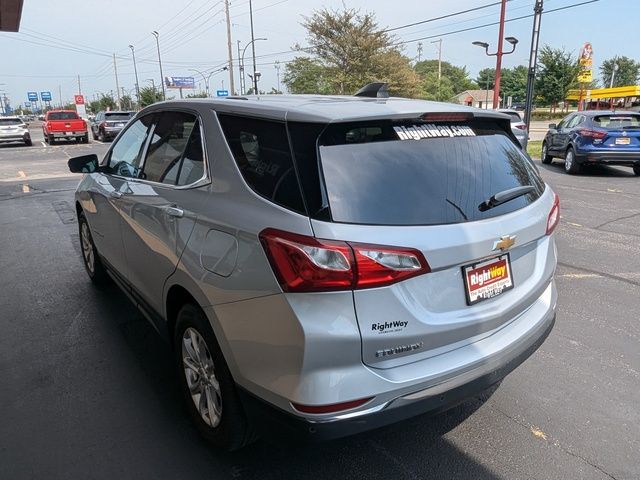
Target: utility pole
[
  {"x": 533, "y": 60},
  {"x": 157, "y": 35},
  {"x": 496, "y": 86},
  {"x": 439, "y": 42},
  {"x": 115, "y": 70},
  {"x": 241, "y": 70},
  {"x": 613, "y": 71},
  {"x": 254, "y": 77},
  {"x": 60, "y": 95},
  {"x": 79, "y": 89},
  {"x": 277, "y": 67},
  {"x": 419, "y": 51},
  {"x": 135, "y": 69},
  {"x": 229, "y": 45}
]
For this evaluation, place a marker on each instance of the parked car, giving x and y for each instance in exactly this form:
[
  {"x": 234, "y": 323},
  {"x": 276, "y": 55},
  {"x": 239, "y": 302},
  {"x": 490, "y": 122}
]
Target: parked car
[
  {"x": 64, "y": 125},
  {"x": 518, "y": 127},
  {"x": 324, "y": 265},
  {"x": 107, "y": 125},
  {"x": 14, "y": 129},
  {"x": 594, "y": 137}
]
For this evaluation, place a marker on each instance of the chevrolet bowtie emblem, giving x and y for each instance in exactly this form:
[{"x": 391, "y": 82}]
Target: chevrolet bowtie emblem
[{"x": 505, "y": 242}]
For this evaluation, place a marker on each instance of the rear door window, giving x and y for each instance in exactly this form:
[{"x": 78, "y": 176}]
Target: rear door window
[
  {"x": 392, "y": 174},
  {"x": 617, "y": 121},
  {"x": 262, "y": 154},
  {"x": 168, "y": 143}
]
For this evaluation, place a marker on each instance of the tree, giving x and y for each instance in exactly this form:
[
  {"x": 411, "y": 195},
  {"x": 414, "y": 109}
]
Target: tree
[
  {"x": 306, "y": 75},
  {"x": 126, "y": 102},
  {"x": 350, "y": 51},
  {"x": 557, "y": 75},
  {"x": 105, "y": 102},
  {"x": 513, "y": 83},
  {"x": 148, "y": 96},
  {"x": 197, "y": 95},
  {"x": 457, "y": 77},
  {"x": 486, "y": 75},
  {"x": 628, "y": 72},
  {"x": 432, "y": 89}
]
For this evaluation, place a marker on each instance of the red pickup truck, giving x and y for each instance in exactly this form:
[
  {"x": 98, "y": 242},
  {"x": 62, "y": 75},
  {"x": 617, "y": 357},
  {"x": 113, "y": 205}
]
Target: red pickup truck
[{"x": 64, "y": 124}]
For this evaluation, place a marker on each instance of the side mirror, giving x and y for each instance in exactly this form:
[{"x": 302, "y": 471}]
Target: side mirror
[
  {"x": 553, "y": 126},
  {"x": 84, "y": 164}
]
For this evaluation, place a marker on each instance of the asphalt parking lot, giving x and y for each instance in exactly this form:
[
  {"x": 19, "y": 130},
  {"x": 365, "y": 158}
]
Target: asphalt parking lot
[{"x": 87, "y": 388}]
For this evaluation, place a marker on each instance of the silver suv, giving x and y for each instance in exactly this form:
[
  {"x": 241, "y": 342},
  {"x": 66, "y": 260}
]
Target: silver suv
[{"x": 325, "y": 264}]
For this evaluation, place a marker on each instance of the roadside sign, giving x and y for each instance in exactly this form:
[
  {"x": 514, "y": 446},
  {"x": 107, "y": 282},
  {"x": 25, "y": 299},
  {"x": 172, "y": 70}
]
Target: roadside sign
[
  {"x": 222, "y": 93},
  {"x": 78, "y": 99},
  {"x": 27, "y": 104},
  {"x": 179, "y": 82},
  {"x": 32, "y": 96},
  {"x": 45, "y": 96},
  {"x": 585, "y": 76}
]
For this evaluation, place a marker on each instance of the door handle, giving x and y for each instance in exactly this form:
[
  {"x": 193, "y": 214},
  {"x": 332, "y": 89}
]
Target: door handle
[
  {"x": 175, "y": 212},
  {"x": 115, "y": 194}
]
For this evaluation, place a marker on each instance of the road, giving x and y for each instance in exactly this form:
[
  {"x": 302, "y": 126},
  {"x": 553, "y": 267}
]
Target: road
[{"x": 87, "y": 388}]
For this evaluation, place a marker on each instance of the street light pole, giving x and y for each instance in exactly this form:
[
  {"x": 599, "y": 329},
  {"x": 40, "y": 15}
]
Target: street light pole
[
  {"x": 253, "y": 52},
  {"x": 499, "y": 53},
  {"x": 157, "y": 35},
  {"x": 241, "y": 70},
  {"x": 253, "y": 77},
  {"x": 533, "y": 61},
  {"x": 616, "y": 67},
  {"x": 277, "y": 67},
  {"x": 135, "y": 69},
  {"x": 205, "y": 78}
]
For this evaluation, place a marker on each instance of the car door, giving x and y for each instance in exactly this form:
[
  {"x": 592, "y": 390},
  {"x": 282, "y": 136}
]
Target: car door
[
  {"x": 103, "y": 214},
  {"x": 559, "y": 136},
  {"x": 158, "y": 209}
]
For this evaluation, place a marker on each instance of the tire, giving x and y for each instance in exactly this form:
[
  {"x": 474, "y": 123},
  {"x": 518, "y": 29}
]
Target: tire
[
  {"x": 101, "y": 136},
  {"x": 90, "y": 258},
  {"x": 545, "y": 157},
  {"x": 46, "y": 138},
  {"x": 28, "y": 142},
  {"x": 93, "y": 134},
  {"x": 227, "y": 426},
  {"x": 85, "y": 139},
  {"x": 636, "y": 170},
  {"x": 51, "y": 140},
  {"x": 570, "y": 165}
]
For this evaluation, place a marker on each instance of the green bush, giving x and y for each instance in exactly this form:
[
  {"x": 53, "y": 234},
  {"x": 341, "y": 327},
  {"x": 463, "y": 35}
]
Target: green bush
[{"x": 542, "y": 115}]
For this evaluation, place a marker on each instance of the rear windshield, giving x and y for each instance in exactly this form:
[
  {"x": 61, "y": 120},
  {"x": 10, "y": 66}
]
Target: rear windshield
[
  {"x": 10, "y": 121},
  {"x": 617, "y": 121},
  {"x": 380, "y": 174},
  {"x": 125, "y": 116},
  {"x": 63, "y": 116},
  {"x": 515, "y": 116}
]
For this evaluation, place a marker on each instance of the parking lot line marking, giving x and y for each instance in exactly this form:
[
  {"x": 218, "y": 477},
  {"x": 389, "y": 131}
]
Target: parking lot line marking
[
  {"x": 538, "y": 433},
  {"x": 580, "y": 275},
  {"x": 21, "y": 174},
  {"x": 25, "y": 188},
  {"x": 574, "y": 224},
  {"x": 43, "y": 144}
]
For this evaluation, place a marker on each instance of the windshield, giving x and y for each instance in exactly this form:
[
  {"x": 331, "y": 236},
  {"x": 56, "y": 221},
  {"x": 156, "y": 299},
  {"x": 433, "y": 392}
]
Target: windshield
[
  {"x": 63, "y": 116},
  {"x": 372, "y": 178},
  {"x": 10, "y": 121},
  {"x": 617, "y": 121},
  {"x": 123, "y": 116}
]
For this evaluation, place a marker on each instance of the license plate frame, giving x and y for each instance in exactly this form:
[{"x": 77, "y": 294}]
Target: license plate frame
[
  {"x": 496, "y": 287},
  {"x": 623, "y": 141}
]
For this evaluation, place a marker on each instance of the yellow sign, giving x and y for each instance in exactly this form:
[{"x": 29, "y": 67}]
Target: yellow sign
[{"x": 585, "y": 76}]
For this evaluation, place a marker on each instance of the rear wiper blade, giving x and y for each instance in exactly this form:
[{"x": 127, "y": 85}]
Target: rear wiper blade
[{"x": 505, "y": 196}]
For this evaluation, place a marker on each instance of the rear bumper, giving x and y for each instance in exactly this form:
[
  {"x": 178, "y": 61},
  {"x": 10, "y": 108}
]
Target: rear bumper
[
  {"x": 270, "y": 419},
  {"x": 18, "y": 137},
  {"x": 421, "y": 399},
  {"x": 628, "y": 159},
  {"x": 68, "y": 134}
]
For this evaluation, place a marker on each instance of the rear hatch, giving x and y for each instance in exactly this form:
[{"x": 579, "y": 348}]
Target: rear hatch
[
  {"x": 117, "y": 119},
  {"x": 11, "y": 126},
  {"x": 619, "y": 131},
  {"x": 425, "y": 186}
]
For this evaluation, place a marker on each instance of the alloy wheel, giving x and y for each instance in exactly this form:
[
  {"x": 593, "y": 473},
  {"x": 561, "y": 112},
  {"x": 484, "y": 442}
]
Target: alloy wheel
[
  {"x": 199, "y": 372},
  {"x": 87, "y": 247}
]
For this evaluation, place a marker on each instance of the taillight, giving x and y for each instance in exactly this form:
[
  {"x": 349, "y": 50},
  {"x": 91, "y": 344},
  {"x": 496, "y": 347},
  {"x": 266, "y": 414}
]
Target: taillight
[
  {"x": 590, "y": 133},
  {"x": 521, "y": 127},
  {"x": 554, "y": 215},
  {"x": 308, "y": 264}
]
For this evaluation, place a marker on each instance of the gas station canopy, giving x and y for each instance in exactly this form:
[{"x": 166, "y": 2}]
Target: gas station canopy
[{"x": 10, "y": 15}]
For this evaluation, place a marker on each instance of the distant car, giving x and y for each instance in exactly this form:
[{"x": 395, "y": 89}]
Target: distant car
[
  {"x": 594, "y": 137},
  {"x": 518, "y": 127},
  {"x": 64, "y": 125},
  {"x": 107, "y": 125},
  {"x": 518, "y": 106},
  {"x": 13, "y": 129}
]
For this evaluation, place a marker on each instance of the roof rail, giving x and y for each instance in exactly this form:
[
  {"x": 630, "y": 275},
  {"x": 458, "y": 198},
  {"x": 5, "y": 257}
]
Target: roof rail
[{"x": 374, "y": 90}]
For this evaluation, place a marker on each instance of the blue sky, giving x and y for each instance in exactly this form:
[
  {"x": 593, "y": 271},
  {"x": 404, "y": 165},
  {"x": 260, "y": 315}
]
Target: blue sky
[{"x": 44, "y": 55}]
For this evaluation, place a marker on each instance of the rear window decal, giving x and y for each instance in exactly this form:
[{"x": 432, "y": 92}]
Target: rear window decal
[{"x": 430, "y": 130}]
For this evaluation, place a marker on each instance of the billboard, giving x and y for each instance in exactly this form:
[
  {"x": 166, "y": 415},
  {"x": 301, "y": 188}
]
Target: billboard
[
  {"x": 179, "y": 82},
  {"x": 45, "y": 96},
  {"x": 585, "y": 75},
  {"x": 32, "y": 96}
]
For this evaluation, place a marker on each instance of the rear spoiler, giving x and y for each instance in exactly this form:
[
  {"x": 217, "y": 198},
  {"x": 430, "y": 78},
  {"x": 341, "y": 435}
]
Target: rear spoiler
[{"x": 374, "y": 90}]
